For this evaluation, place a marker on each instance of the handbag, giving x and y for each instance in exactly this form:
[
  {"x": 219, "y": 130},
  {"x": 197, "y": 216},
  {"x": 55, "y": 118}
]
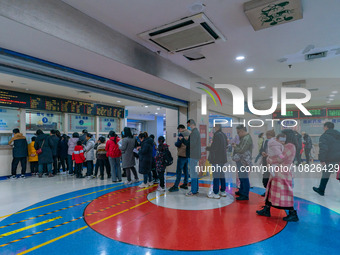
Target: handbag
[{"x": 39, "y": 151}]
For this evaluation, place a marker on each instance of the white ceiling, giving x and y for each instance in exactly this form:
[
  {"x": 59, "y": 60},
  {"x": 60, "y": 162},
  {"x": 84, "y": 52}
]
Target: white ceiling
[{"x": 319, "y": 27}]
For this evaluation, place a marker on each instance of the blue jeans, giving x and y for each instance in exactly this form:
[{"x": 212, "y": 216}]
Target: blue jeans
[
  {"x": 218, "y": 178},
  {"x": 70, "y": 164},
  {"x": 89, "y": 166},
  {"x": 147, "y": 177},
  {"x": 182, "y": 164},
  {"x": 49, "y": 168},
  {"x": 244, "y": 180},
  {"x": 115, "y": 169},
  {"x": 193, "y": 175}
]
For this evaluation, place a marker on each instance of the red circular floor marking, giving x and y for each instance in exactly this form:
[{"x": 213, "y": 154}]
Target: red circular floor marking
[{"x": 153, "y": 226}]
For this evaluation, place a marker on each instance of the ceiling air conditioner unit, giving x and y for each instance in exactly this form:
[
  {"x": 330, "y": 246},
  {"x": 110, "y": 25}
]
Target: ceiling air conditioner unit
[{"x": 184, "y": 34}]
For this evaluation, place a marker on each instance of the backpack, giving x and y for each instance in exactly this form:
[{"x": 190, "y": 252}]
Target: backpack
[{"x": 168, "y": 159}]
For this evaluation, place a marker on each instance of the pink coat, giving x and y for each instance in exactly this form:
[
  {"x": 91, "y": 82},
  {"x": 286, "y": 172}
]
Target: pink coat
[{"x": 280, "y": 187}]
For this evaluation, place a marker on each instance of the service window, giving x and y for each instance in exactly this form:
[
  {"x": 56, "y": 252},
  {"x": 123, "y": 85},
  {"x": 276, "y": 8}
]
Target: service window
[
  {"x": 78, "y": 123},
  {"x": 43, "y": 120},
  {"x": 9, "y": 119},
  {"x": 107, "y": 124}
]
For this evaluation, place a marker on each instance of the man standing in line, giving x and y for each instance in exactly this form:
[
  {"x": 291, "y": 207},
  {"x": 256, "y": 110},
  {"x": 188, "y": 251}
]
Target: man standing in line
[
  {"x": 55, "y": 140},
  {"x": 20, "y": 153},
  {"x": 82, "y": 138},
  {"x": 182, "y": 160},
  {"x": 193, "y": 153},
  {"x": 218, "y": 157},
  {"x": 329, "y": 154},
  {"x": 243, "y": 157},
  {"x": 308, "y": 146}
]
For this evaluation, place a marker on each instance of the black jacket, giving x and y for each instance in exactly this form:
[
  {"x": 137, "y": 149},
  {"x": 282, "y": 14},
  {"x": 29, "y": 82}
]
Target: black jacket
[
  {"x": 145, "y": 156},
  {"x": 62, "y": 148},
  {"x": 308, "y": 142},
  {"x": 218, "y": 149},
  {"x": 46, "y": 157},
  {"x": 19, "y": 143},
  {"x": 55, "y": 140},
  {"x": 193, "y": 144},
  {"x": 329, "y": 146}
]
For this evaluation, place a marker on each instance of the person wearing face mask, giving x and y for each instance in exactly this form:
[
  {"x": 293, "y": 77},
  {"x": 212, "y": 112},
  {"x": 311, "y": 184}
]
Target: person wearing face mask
[
  {"x": 193, "y": 152},
  {"x": 279, "y": 192}
]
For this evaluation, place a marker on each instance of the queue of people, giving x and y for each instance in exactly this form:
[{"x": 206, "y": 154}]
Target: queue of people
[{"x": 49, "y": 152}]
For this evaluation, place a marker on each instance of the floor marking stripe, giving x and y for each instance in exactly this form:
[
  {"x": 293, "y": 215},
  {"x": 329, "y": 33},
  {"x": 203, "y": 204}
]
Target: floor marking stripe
[
  {"x": 59, "y": 201},
  {"x": 147, "y": 188},
  {"x": 68, "y": 207},
  {"x": 53, "y": 240},
  {"x": 28, "y": 227},
  {"x": 82, "y": 228}
]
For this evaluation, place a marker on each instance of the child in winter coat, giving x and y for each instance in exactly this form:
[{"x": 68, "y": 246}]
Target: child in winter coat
[
  {"x": 79, "y": 158},
  {"x": 160, "y": 162},
  {"x": 33, "y": 157}
]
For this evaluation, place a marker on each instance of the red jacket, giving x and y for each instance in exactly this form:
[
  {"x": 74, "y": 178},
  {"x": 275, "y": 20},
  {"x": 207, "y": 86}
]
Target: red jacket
[
  {"x": 78, "y": 154},
  {"x": 112, "y": 148}
]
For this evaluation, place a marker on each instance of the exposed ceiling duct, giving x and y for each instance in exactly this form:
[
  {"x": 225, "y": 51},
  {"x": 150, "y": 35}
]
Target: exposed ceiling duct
[
  {"x": 187, "y": 33},
  {"x": 267, "y": 13}
]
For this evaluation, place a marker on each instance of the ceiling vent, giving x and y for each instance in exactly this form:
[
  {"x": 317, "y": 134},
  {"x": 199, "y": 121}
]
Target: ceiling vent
[
  {"x": 187, "y": 33},
  {"x": 317, "y": 55},
  {"x": 294, "y": 84},
  {"x": 268, "y": 13}
]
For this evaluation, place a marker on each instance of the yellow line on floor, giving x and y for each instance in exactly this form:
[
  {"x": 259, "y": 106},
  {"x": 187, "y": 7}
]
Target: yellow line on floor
[
  {"x": 79, "y": 229},
  {"x": 28, "y": 227},
  {"x": 53, "y": 240},
  {"x": 59, "y": 201},
  {"x": 147, "y": 188}
]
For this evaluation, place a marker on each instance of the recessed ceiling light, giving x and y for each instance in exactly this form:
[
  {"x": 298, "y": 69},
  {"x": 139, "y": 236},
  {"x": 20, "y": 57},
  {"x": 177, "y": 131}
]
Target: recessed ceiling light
[
  {"x": 334, "y": 92},
  {"x": 146, "y": 106},
  {"x": 118, "y": 101},
  {"x": 158, "y": 108},
  {"x": 262, "y": 87},
  {"x": 249, "y": 70},
  {"x": 239, "y": 58},
  {"x": 156, "y": 112},
  {"x": 328, "y": 102},
  {"x": 332, "y": 95},
  {"x": 330, "y": 99}
]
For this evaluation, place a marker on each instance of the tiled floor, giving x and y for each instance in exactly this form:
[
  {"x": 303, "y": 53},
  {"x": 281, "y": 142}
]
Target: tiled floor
[{"x": 64, "y": 215}]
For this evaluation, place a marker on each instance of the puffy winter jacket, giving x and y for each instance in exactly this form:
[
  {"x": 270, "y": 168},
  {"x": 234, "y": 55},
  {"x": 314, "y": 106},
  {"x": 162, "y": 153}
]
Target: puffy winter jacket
[
  {"x": 20, "y": 145},
  {"x": 112, "y": 148},
  {"x": 89, "y": 149},
  {"x": 32, "y": 153},
  {"x": 78, "y": 154},
  {"x": 329, "y": 146},
  {"x": 72, "y": 144},
  {"x": 145, "y": 156}
]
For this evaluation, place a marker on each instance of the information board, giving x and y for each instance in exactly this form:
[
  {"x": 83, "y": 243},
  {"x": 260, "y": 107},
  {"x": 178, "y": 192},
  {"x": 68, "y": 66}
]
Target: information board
[
  {"x": 333, "y": 112},
  {"x": 36, "y": 102},
  {"x": 289, "y": 115},
  {"x": 316, "y": 113}
]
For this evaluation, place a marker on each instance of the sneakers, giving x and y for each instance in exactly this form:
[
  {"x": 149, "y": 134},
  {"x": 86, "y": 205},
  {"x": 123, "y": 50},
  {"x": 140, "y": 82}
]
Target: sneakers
[
  {"x": 292, "y": 216},
  {"x": 264, "y": 212},
  {"x": 13, "y": 177},
  {"x": 150, "y": 183},
  {"x": 223, "y": 194},
  {"x": 190, "y": 194},
  {"x": 22, "y": 176},
  {"x": 50, "y": 175},
  {"x": 173, "y": 189},
  {"x": 155, "y": 181},
  {"x": 135, "y": 181},
  {"x": 93, "y": 176},
  {"x": 183, "y": 186},
  {"x": 317, "y": 190},
  {"x": 160, "y": 189},
  {"x": 128, "y": 182},
  {"x": 143, "y": 185},
  {"x": 40, "y": 175},
  {"x": 213, "y": 195},
  {"x": 88, "y": 177}
]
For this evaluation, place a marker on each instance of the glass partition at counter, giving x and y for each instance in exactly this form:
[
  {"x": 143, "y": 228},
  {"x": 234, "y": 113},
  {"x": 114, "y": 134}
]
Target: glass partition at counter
[
  {"x": 77, "y": 123},
  {"x": 5, "y": 138},
  {"x": 43, "y": 120},
  {"x": 9, "y": 119},
  {"x": 107, "y": 124}
]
